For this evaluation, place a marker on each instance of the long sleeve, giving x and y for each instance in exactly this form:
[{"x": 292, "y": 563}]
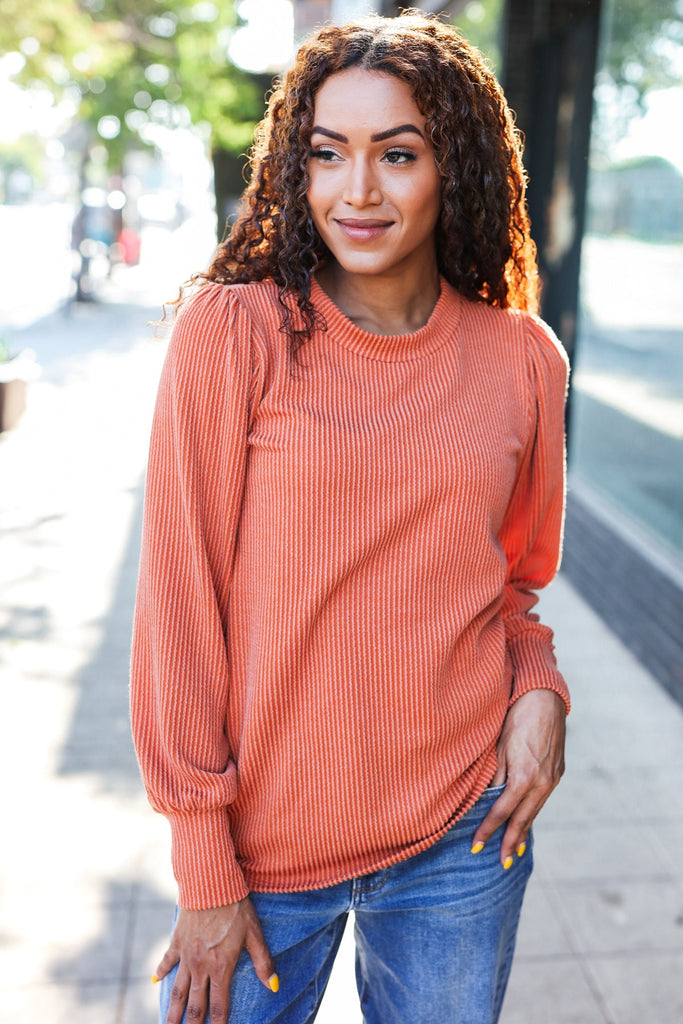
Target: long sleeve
[
  {"x": 532, "y": 529},
  {"x": 180, "y": 676}
]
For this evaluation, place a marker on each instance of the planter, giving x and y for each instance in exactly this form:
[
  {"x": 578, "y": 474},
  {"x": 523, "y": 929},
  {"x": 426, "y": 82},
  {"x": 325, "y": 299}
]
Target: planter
[
  {"x": 14, "y": 377},
  {"x": 12, "y": 402}
]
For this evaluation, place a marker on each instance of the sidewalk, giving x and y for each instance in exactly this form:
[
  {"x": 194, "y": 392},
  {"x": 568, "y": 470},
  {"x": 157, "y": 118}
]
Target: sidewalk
[{"x": 87, "y": 891}]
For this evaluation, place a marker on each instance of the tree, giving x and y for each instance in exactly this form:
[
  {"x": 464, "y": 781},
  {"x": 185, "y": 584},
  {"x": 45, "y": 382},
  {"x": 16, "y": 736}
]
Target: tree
[
  {"x": 642, "y": 52},
  {"x": 643, "y": 43},
  {"x": 132, "y": 64},
  {"x": 481, "y": 22}
]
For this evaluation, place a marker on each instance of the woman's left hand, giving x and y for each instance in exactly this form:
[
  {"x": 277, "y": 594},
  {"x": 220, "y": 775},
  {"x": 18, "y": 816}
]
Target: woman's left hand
[{"x": 531, "y": 761}]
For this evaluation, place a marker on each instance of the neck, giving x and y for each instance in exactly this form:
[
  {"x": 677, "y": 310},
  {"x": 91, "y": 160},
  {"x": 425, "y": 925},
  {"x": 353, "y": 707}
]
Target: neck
[{"x": 382, "y": 304}]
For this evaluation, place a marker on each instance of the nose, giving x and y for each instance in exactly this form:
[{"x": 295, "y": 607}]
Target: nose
[{"x": 361, "y": 187}]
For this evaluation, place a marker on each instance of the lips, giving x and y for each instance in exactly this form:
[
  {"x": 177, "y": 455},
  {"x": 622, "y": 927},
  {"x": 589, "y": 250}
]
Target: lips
[
  {"x": 363, "y": 222},
  {"x": 363, "y": 229}
]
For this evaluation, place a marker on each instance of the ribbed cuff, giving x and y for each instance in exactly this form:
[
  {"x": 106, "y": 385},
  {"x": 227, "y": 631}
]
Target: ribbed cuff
[
  {"x": 534, "y": 668},
  {"x": 204, "y": 861}
]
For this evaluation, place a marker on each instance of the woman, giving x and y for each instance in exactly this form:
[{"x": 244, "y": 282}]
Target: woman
[{"x": 341, "y": 699}]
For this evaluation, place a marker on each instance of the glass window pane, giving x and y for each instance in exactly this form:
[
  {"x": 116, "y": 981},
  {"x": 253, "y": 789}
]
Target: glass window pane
[{"x": 627, "y": 412}]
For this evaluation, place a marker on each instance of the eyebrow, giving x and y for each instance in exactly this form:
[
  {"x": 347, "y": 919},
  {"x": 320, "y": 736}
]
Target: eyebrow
[{"x": 377, "y": 137}]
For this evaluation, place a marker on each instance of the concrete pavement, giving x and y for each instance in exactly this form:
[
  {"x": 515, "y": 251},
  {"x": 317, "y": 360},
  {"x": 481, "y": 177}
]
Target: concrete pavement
[{"x": 87, "y": 891}]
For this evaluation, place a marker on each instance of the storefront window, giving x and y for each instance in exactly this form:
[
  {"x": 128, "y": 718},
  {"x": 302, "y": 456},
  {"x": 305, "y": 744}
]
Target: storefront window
[{"x": 627, "y": 408}]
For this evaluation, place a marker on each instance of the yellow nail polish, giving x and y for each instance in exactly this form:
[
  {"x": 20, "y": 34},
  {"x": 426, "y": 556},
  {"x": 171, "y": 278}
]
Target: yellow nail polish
[
  {"x": 274, "y": 983},
  {"x": 507, "y": 863},
  {"x": 520, "y": 849},
  {"x": 477, "y": 848},
  {"x": 154, "y": 979}
]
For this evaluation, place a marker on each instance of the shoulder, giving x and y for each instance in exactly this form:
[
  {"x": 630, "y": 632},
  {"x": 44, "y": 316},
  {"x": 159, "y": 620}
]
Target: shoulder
[
  {"x": 212, "y": 337},
  {"x": 547, "y": 357},
  {"x": 542, "y": 340},
  {"x": 523, "y": 338},
  {"x": 489, "y": 328},
  {"x": 218, "y": 316},
  {"x": 260, "y": 297},
  {"x": 213, "y": 303},
  {"x": 508, "y": 324}
]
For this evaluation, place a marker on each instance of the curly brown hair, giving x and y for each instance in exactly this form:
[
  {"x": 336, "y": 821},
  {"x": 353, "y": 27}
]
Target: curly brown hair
[{"x": 483, "y": 245}]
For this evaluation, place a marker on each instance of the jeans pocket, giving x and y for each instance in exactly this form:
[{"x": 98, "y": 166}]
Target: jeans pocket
[{"x": 493, "y": 791}]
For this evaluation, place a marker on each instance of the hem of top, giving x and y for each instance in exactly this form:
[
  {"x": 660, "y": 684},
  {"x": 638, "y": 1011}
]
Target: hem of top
[
  {"x": 392, "y": 348},
  {"x": 260, "y": 884}
]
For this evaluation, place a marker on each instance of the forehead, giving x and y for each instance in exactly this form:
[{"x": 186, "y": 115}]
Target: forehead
[{"x": 371, "y": 97}]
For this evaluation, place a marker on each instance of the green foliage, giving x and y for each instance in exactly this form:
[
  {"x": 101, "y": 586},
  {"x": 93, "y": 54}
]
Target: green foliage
[
  {"x": 61, "y": 28},
  {"x": 135, "y": 63},
  {"x": 25, "y": 154},
  {"x": 5, "y": 352},
  {"x": 643, "y": 42},
  {"x": 480, "y": 22},
  {"x": 641, "y": 51}
]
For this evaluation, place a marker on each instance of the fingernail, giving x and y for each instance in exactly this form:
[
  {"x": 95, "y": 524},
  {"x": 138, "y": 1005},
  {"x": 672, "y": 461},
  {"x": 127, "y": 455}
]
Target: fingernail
[
  {"x": 477, "y": 848},
  {"x": 274, "y": 983},
  {"x": 154, "y": 979},
  {"x": 507, "y": 864},
  {"x": 520, "y": 849}
]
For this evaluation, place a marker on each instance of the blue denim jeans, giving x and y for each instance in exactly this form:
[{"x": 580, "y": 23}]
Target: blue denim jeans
[{"x": 435, "y": 935}]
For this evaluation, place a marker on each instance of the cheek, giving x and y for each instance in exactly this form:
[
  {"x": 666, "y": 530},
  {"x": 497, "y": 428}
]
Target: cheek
[
  {"x": 423, "y": 200},
  {"x": 432, "y": 190},
  {"x": 317, "y": 199}
]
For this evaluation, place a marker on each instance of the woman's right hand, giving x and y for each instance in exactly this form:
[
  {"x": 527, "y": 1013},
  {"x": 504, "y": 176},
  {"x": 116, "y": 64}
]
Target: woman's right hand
[{"x": 205, "y": 945}]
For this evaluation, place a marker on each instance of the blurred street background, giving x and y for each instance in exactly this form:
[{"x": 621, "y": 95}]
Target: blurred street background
[{"x": 122, "y": 133}]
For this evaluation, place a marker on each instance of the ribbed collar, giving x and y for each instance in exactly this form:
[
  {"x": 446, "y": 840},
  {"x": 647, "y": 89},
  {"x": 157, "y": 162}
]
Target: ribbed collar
[{"x": 392, "y": 348}]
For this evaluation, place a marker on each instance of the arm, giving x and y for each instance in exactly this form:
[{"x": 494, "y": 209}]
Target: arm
[
  {"x": 179, "y": 671},
  {"x": 531, "y": 745}
]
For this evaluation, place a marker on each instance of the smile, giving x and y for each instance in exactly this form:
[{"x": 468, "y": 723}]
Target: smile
[{"x": 363, "y": 230}]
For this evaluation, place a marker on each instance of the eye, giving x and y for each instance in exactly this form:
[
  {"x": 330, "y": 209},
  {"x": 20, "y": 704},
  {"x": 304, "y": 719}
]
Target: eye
[
  {"x": 323, "y": 154},
  {"x": 399, "y": 156}
]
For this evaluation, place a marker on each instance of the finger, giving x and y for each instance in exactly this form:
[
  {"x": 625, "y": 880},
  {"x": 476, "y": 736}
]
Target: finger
[
  {"x": 179, "y": 996},
  {"x": 520, "y": 821},
  {"x": 219, "y": 1004},
  {"x": 500, "y": 811},
  {"x": 516, "y": 834},
  {"x": 166, "y": 964},
  {"x": 219, "y": 993},
  {"x": 264, "y": 965},
  {"x": 197, "y": 1001},
  {"x": 220, "y": 979}
]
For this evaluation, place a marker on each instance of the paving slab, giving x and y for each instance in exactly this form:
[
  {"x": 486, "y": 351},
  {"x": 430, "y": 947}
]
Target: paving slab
[
  {"x": 92, "y": 1003},
  {"x": 645, "y": 989},
  {"x": 543, "y": 933},
  {"x": 617, "y": 916},
  {"x": 552, "y": 992},
  {"x": 616, "y": 850},
  {"x": 140, "y": 1004}
]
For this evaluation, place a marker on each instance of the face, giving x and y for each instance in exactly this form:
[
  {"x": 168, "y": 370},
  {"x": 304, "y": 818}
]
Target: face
[{"x": 375, "y": 191}]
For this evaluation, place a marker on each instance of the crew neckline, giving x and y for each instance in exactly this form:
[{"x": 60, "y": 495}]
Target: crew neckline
[{"x": 391, "y": 347}]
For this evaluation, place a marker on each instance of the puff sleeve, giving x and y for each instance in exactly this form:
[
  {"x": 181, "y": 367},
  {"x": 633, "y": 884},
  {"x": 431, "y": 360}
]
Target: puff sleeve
[
  {"x": 532, "y": 529},
  {"x": 180, "y": 673}
]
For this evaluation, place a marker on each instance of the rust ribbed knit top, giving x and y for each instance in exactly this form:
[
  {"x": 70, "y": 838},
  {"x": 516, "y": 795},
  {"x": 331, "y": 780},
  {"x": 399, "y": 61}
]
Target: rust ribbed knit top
[{"x": 336, "y": 576}]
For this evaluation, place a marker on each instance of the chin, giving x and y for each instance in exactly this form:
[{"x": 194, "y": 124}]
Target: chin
[{"x": 364, "y": 266}]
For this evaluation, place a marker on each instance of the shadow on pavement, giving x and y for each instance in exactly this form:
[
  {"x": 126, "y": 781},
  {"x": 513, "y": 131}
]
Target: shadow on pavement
[
  {"x": 62, "y": 339},
  {"x": 110, "y": 976},
  {"x": 99, "y": 739},
  {"x": 633, "y": 462}
]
